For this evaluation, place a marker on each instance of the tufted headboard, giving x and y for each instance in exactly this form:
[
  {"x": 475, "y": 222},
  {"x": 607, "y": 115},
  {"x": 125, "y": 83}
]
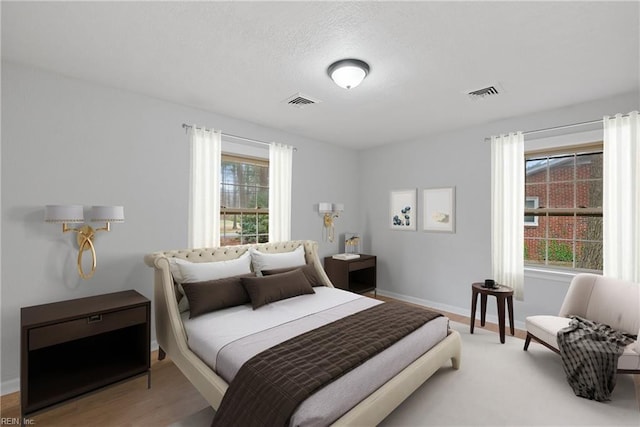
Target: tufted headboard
[{"x": 224, "y": 253}]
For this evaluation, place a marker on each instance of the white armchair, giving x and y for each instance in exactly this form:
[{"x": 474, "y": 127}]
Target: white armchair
[{"x": 609, "y": 301}]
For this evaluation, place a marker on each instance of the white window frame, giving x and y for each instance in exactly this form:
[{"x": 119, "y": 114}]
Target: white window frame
[
  {"x": 246, "y": 151},
  {"x": 531, "y": 143},
  {"x": 531, "y": 220}
]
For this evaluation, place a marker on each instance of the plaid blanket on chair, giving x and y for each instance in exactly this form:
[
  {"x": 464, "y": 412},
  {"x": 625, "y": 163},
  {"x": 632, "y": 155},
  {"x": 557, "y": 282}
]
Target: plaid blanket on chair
[{"x": 590, "y": 353}]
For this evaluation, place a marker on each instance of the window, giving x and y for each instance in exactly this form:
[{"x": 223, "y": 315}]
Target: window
[
  {"x": 244, "y": 200},
  {"x": 531, "y": 202},
  {"x": 563, "y": 195}
]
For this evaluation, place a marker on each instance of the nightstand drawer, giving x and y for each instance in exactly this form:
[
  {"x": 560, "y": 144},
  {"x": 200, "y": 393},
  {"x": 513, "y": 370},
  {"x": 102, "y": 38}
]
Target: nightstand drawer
[
  {"x": 359, "y": 265},
  {"x": 46, "y": 336}
]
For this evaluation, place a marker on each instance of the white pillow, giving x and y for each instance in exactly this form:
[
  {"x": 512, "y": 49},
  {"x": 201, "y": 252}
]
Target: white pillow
[
  {"x": 175, "y": 270},
  {"x": 183, "y": 303},
  {"x": 262, "y": 261},
  {"x": 190, "y": 272}
]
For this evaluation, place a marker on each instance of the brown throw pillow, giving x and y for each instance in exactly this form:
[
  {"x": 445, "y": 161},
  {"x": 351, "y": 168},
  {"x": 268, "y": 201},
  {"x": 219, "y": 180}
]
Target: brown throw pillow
[
  {"x": 268, "y": 289},
  {"x": 211, "y": 295},
  {"x": 309, "y": 271}
]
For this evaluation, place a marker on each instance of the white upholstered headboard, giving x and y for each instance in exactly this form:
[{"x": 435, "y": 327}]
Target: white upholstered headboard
[{"x": 224, "y": 253}]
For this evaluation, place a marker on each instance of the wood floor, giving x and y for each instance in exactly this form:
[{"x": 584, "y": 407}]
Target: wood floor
[
  {"x": 464, "y": 319},
  {"x": 170, "y": 399}
]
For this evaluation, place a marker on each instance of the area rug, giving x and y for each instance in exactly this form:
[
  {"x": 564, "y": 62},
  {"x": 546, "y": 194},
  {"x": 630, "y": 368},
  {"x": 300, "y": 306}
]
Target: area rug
[{"x": 500, "y": 385}]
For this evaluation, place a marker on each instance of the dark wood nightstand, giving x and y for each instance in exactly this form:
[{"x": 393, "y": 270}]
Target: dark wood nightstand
[
  {"x": 355, "y": 275},
  {"x": 73, "y": 347}
]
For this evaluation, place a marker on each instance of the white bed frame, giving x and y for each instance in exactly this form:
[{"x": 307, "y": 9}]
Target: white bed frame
[{"x": 172, "y": 338}]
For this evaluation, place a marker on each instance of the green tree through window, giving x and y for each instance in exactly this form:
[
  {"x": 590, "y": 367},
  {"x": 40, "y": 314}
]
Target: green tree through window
[{"x": 244, "y": 200}]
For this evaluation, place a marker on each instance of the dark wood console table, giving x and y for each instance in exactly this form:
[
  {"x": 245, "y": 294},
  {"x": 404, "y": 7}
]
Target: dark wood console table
[{"x": 73, "y": 347}]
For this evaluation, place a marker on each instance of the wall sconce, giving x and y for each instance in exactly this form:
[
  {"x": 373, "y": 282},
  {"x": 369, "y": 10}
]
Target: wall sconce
[
  {"x": 330, "y": 211},
  {"x": 66, "y": 214}
]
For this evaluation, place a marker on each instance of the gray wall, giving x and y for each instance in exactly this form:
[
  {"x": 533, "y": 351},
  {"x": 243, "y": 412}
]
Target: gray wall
[
  {"x": 65, "y": 141},
  {"x": 437, "y": 269}
]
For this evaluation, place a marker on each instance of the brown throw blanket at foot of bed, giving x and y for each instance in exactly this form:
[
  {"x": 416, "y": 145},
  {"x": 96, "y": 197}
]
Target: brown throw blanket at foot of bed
[
  {"x": 269, "y": 387},
  {"x": 590, "y": 353}
]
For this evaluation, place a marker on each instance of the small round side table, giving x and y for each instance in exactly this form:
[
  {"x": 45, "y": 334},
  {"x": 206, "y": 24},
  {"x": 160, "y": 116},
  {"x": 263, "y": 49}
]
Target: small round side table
[{"x": 501, "y": 293}]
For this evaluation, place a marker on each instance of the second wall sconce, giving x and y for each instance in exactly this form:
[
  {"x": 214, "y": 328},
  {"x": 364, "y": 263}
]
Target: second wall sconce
[
  {"x": 67, "y": 214},
  {"x": 330, "y": 211}
]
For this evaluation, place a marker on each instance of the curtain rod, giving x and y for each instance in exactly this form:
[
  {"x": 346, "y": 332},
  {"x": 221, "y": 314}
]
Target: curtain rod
[
  {"x": 228, "y": 135},
  {"x": 591, "y": 122}
]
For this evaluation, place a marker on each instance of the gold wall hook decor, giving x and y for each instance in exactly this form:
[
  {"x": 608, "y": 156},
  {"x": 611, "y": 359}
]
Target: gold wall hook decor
[
  {"x": 330, "y": 211},
  {"x": 84, "y": 233},
  {"x": 84, "y": 237},
  {"x": 328, "y": 220}
]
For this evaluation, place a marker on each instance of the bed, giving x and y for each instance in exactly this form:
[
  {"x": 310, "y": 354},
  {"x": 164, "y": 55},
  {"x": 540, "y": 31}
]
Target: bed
[{"x": 201, "y": 358}]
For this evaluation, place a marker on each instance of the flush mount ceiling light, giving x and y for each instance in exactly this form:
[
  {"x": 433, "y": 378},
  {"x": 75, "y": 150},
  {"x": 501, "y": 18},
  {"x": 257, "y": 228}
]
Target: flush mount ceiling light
[{"x": 348, "y": 73}]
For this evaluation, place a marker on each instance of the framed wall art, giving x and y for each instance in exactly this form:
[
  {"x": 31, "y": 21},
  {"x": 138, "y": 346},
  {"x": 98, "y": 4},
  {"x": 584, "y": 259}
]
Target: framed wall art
[
  {"x": 439, "y": 209},
  {"x": 402, "y": 214}
]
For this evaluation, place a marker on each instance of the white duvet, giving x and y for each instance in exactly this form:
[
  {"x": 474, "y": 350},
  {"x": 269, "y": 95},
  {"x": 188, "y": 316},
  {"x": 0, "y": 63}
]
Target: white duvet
[{"x": 209, "y": 333}]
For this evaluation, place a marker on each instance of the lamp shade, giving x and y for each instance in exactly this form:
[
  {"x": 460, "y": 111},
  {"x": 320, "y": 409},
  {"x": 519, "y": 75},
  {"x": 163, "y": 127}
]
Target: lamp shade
[
  {"x": 63, "y": 213},
  {"x": 348, "y": 73},
  {"x": 107, "y": 213},
  {"x": 337, "y": 207},
  {"x": 324, "y": 207}
]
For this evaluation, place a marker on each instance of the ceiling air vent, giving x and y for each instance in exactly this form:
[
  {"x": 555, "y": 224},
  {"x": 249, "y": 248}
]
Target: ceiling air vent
[
  {"x": 484, "y": 92},
  {"x": 300, "y": 100}
]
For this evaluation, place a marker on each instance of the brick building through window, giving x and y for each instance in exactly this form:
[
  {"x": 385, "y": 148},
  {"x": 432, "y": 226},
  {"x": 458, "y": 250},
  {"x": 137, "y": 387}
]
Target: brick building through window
[{"x": 567, "y": 189}]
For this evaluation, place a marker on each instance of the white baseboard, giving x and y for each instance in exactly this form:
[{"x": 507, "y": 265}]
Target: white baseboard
[
  {"x": 492, "y": 318},
  {"x": 10, "y": 386},
  {"x": 13, "y": 385}
]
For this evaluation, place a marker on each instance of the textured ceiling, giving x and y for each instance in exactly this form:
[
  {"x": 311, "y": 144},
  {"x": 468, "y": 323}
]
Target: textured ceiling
[{"x": 243, "y": 59}]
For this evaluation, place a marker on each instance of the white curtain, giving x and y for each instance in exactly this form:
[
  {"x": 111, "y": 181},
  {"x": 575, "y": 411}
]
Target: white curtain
[
  {"x": 621, "y": 197},
  {"x": 507, "y": 211},
  {"x": 280, "y": 171},
  {"x": 204, "y": 187}
]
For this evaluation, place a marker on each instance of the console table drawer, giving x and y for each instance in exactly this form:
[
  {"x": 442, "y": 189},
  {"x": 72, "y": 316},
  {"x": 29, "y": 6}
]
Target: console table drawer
[
  {"x": 359, "y": 265},
  {"x": 46, "y": 336}
]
